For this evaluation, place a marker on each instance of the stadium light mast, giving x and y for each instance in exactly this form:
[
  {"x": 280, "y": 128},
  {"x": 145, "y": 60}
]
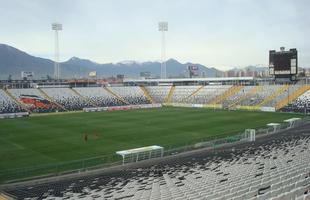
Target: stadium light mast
[
  {"x": 56, "y": 27},
  {"x": 163, "y": 27}
]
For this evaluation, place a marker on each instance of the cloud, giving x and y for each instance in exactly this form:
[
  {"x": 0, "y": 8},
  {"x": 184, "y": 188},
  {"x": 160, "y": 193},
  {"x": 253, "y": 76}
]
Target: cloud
[{"x": 218, "y": 33}]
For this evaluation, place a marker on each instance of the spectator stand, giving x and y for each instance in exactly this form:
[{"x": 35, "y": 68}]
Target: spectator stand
[
  {"x": 147, "y": 94},
  {"x": 158, "y": 93},
  {"x": 92, "y": 103},
  {"x": 8, "y": 104},
  {"x": 116, "y": 95}
]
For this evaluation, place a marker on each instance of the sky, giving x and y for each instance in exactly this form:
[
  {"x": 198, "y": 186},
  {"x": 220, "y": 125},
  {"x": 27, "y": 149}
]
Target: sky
[{"x": 215, "y": 33}]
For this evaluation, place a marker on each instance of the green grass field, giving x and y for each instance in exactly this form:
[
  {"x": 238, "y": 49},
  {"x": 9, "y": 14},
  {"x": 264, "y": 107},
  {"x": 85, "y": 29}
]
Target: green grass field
[{"x": 51, "y": 139}]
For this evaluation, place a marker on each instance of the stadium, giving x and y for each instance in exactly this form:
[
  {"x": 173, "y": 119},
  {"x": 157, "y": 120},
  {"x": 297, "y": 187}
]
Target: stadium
[
  {"x": 176, "y": 140},
  {"x": 93, "y": 106}
]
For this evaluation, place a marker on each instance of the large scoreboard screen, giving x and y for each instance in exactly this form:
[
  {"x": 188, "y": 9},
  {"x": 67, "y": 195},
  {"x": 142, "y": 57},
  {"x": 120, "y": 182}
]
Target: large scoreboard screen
[{"x": 283, "y": 63}]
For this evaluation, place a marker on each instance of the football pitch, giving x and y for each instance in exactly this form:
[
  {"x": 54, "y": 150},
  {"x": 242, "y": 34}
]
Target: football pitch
[{"x": 50, "y": 139}]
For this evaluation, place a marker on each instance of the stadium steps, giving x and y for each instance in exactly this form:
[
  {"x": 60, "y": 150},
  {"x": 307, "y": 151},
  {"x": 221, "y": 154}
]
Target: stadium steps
[
  {"x": 292, "y": 97},
  {"x": 51, "y": 99},
  {"x": 231, "y": 91},
  {"x": 274, "y": 95},
  {"x": 116, "y": 95},
  {"x": 193, "y": 94},
  {"x": 247, "y": 95},
  {"x": 146, "y": 93},
  {"x": 170, "y": 94},
  {"x": 85, "y": 98},
  {"x": 16, "y": 100},
  {"x": 5, "y": 197}
]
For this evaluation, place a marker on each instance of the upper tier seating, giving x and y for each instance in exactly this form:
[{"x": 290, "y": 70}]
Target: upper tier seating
[
  {"x": 8, "y": 105},
  {"x": 99, "y": 96},
  {"x": 131, "y": 94}
]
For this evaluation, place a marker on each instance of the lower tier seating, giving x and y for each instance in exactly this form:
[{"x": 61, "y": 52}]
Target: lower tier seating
[{"x": 8, "y": 105}]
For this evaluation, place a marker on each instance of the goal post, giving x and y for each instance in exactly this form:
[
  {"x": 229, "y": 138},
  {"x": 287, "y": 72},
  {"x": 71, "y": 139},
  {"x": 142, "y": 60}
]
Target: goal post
[
  {"x": 250, "y": 134},
  {"x": 142, "y": 153}
]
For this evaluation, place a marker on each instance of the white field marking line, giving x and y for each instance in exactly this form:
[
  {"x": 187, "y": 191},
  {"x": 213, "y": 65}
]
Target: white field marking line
[{"x": 13, "y": 143}]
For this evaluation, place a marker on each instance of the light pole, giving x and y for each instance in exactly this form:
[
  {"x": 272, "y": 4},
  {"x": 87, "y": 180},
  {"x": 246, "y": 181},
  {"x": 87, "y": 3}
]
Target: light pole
[
  {"x": 163, "y": 27},
  {"x": 56, "y": 27}
]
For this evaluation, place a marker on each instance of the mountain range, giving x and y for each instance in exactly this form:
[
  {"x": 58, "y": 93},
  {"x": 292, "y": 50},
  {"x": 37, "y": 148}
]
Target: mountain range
[{"x": 13, "y": 61}]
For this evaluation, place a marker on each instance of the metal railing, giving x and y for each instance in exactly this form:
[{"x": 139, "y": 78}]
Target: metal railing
[
  {"x": 57, "y": 169},
  {"x": 227, "y": 139}
]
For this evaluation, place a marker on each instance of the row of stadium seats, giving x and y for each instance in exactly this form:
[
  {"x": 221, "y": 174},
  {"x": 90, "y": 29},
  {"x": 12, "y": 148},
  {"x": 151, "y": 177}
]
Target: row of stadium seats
[
  {"x": 33, "y": 100},
  {"x": 7, "y": 104},
  {"x": 67, "y": 98},
  {"x": 52, "y": 99},
  {"x": 158, "y": 93},
  {"x": 207, "y": 94},
  {"x": 99, "y": 96},
  {"x": 301, "y": 104},
  {"x": 132, "y": 95},
  {"x": 263, "y": 95},
  {"x": 259, "y": 96},
  {"x": 182, "y": 92},
  {"x": 276, "y": 167},
  {"x": 285, "y": 94},
  {"x": 238, "y": 96}
]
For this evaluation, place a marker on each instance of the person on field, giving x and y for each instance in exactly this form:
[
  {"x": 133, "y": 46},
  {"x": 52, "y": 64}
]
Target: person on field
[
  {"x": 96, "y": 136},
  {"x": 85, "y": 136}
]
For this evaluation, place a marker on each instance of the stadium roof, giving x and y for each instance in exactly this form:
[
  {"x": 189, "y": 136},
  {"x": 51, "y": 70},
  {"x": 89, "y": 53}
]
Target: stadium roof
[{"x": 215, "y": 79}]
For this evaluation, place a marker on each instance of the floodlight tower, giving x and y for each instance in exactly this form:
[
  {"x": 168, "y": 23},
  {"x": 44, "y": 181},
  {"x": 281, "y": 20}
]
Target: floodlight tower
[
  {"x": 163, "y": 27},
  {"x": 56, "y": 27}
]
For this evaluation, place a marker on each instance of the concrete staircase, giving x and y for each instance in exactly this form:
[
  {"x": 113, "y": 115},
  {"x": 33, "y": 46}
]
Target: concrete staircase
[
  {"x": 231, "y": 91},
  {"x": 147, "y": 94},
  {"x": 5, "y": 197},
  {"x": 193, "y": 94},
  {"x": 247, "y": 95},
  {"x": 116, "y": 95},
  {"x": 85, "y": 98},
  {"x": 273, "y": 96},
  {"x": 170, "y": 94},
  {"x": 51, "y": 99},
  {"x": 292, "y": 97}
]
